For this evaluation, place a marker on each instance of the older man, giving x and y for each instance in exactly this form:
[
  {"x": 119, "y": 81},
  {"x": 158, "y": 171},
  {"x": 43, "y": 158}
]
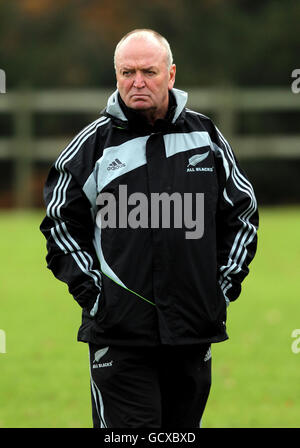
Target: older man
[{"x": 121, "y": 200}]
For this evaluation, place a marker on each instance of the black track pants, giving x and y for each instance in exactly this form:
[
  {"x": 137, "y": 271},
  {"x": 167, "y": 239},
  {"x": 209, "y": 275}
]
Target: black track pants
[{"x": 149, "y": 387}]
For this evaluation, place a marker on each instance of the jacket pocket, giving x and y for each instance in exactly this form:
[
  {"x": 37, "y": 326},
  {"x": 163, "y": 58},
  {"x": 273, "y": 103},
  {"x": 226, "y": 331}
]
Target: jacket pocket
[
  {"x": 221, "y": 294},
  {"x": 122, "y": 314},
  {"x": 221, "y": 307}
]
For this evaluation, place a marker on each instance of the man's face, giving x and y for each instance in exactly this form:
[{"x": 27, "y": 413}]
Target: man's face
[{"x": 143, "y": 77}]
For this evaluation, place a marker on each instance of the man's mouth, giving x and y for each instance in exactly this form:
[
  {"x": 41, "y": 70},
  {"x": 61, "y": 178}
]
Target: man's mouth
[{"x": 139, "y": 95}]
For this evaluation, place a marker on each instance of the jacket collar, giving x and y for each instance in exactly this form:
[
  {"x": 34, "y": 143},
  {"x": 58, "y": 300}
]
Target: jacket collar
[{"x": 126, "y": 117}]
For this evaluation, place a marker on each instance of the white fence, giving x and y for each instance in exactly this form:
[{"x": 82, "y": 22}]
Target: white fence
[{"x": 24, "y": 149}]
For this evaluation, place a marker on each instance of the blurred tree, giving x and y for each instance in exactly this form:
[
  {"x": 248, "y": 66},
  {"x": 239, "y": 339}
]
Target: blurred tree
[{"x": 70, "y": 43}]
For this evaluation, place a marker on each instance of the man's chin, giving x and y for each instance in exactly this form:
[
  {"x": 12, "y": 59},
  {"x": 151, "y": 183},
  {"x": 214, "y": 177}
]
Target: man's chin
[{"x": 140, "y": 105}]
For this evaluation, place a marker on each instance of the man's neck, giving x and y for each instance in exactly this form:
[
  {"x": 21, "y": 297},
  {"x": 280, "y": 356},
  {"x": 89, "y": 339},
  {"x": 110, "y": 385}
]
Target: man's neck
[{"x": 151, "y": 115}]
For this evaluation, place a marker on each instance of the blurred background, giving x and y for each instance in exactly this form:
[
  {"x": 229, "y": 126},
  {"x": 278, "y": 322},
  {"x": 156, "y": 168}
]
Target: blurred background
[{"x": 235, "y": 58}]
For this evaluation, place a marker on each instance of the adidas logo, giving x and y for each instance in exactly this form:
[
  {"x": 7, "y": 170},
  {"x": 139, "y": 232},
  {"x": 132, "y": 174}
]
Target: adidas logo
[{"x": 115, "y": 165}]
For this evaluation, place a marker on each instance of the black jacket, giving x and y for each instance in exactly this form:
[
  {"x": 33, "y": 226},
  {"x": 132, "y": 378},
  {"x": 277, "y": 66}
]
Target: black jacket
[{"x": 155, "y": 282}]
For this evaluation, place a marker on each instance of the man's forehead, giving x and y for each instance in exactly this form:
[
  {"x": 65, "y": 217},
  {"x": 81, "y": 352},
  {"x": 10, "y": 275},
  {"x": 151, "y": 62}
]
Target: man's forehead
[
  {"x": 129, "y": 64},
  {"x": 148, "y": 50}
]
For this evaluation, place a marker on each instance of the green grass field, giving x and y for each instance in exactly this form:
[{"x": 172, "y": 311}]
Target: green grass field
[{"x": 44, "y": 374}]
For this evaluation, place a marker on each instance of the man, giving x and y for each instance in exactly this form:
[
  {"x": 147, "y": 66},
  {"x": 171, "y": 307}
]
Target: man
[{"x": 153, "y": 292}]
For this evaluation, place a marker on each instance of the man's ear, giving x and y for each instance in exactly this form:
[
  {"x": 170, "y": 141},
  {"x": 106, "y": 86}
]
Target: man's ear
[{"x": 172, "y": 74}]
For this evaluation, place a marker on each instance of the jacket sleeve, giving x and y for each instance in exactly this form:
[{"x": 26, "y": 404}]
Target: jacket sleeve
[
  {"x": 69, "y": 230},
  {"x": 237, "y": 220}
]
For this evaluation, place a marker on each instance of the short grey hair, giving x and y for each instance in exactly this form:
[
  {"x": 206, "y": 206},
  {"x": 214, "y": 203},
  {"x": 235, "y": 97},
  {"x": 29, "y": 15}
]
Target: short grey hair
[{"x": 144, "y": 33}]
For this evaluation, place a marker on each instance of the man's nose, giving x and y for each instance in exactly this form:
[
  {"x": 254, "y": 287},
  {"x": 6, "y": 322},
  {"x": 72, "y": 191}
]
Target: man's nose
[{"x": 139, "y": 81}]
